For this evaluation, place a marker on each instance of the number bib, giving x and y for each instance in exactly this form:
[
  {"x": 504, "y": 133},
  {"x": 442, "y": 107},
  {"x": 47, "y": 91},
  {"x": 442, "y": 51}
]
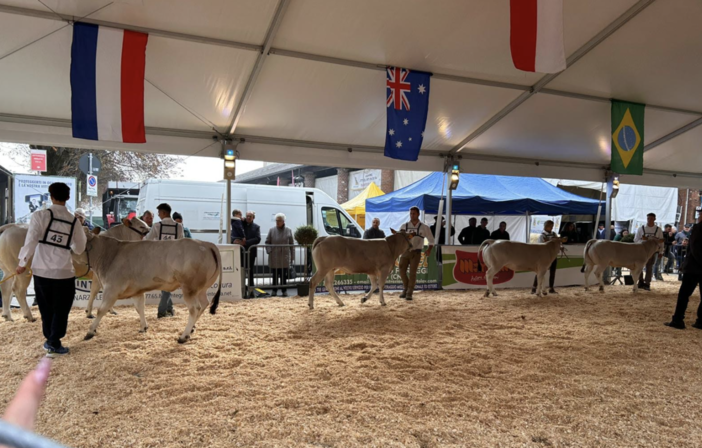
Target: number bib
[{"x": 59, "y": 232}]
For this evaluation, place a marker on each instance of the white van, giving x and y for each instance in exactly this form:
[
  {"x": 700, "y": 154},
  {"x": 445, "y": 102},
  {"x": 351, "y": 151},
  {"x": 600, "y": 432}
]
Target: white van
[{"x": 202, "y": 204}]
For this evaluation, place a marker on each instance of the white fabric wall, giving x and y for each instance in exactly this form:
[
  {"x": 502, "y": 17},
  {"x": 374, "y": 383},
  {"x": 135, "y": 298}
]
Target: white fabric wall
[
  {"x": 359, "y": 180},
  {"x": 328, "y": 185},
  {"x": 404, "y": 178},
  {"x": 634, "y": 202},
  {"x": 516, "y": 225}
]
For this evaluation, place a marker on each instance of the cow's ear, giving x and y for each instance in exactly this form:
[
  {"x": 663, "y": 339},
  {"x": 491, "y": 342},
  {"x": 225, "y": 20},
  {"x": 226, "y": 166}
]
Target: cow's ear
[
  {"x": 126, "y": 222},
  {"x": 96, "y": 231},
  {"x": 393, "y": 230}
]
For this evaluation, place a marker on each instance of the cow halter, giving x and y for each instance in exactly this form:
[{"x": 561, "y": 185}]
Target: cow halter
[{"x": 143, "y": 234}]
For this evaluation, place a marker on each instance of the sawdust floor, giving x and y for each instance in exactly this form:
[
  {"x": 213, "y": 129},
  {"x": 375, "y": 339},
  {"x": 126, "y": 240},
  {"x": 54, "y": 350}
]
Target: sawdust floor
[{"x": 451, "y": 369}]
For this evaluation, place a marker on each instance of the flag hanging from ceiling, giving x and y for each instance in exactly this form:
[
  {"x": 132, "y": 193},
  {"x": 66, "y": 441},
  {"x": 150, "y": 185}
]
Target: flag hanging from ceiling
[
  {"x": 536, "y": 35},
  {"x": 408, "y": 106},
  {"x": 107, "y": 83},
  {"x": 627, "y": 137}
]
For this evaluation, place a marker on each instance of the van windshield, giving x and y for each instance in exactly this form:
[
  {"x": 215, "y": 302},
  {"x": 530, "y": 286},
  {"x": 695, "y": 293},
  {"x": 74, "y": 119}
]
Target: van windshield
[{"x": 336, "y": 223}]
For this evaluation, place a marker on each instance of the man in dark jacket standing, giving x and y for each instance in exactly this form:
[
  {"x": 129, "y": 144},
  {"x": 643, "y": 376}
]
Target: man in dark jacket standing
[
  {"x": 252, "y": 232},
  {"x": 481, "y": 233},
  {"x": 501, "y": 233},
  {"x": 374, "y": 232},
  {"x": 466, "y": 235},
  {"x": 692, "y": 277}
]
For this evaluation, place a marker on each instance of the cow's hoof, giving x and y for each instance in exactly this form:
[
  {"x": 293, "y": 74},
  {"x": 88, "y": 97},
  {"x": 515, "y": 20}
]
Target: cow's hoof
[
  {"x": 341, "y": 304},
  {"x": 143, "y": 330},
  {"x": 183, "y": 340},
  {"x": 31, "y": 319},
  {"x": 8, "y": 318},
  {"x": 364, "y": 299},
  {"x": 193, "y": 330},
  {"x": 113, "y": 312},
  {"x": 89, "y": 336},
  {"x": 90, "y": 316},
  {"x": 601, "y": 289},
  {"x": 487, "y": 294},
  {"x": 383, "y": 304}
]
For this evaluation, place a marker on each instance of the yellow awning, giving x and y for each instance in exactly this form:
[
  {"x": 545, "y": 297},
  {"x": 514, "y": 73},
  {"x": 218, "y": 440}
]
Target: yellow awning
[{"x": 356, "y": 207}]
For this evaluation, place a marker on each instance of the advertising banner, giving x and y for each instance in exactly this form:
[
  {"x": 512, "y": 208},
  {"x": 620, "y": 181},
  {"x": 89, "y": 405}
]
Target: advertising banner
[
  {"x": 463, "y": 270},
  {"x": 38, "y": 160},
  {"x": 427, "y": 278},
  {"x": 231, "y": 284},
  {"x": 31, "y": 193}
]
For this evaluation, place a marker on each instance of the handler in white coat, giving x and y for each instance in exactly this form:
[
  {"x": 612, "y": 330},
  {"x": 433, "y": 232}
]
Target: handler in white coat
[
  {"x": 165, "y": 230},
  {"x": 52, "y": 234}
]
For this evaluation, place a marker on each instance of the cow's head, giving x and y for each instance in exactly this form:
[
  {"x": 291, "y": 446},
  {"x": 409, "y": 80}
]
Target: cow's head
[{"x": 136, "y": 225}]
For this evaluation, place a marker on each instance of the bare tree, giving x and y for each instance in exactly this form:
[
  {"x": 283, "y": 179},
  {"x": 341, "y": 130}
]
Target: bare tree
[{"x": 119, "y": 166}]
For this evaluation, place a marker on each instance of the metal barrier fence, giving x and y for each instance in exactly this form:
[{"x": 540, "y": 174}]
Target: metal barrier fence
[{"x": 276, "y": 267}]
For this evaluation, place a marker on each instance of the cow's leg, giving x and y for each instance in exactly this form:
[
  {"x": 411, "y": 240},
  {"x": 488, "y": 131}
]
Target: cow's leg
[
  {"x": 382, "y": 278},
  {"x": 139, "y": 302},
  {"x": 95, "y": 286},
  {"x": 329, "y": 283},
  {"x": 540, "y": 277},
  {"x": 19, "y": 286},
  {"x": 6, "y": 289},
  {"x": 489, "y": 276},
  {"x": 314, "y": 281},
  {"x": 373, "y": 285},
  {"x": 599, "y": 274},
  {"x": 109, "y": 298},
  {"x": 635, "y": 274},
  {"x": 588, "y": 270},
  {"x": 194, "y": 304}
]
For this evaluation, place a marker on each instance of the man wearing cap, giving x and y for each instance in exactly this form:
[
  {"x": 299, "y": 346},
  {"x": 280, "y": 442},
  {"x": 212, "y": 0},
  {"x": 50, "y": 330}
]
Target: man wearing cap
[
  {"x": 80, "y": 214},
  {"x": 165, "y": 230}
]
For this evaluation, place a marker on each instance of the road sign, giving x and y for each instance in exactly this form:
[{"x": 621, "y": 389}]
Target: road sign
[
  {"x": 84, "y": 164},
  {"x": 91, "y": 186},
  {"x": 38, "y": 157}
]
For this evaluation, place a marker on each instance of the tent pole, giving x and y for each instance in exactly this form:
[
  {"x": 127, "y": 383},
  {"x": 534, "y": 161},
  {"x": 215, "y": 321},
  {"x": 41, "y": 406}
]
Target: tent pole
[
  {"x": 599, "y": 212},
  {"x": 528, "y": 228},
  {"x": 449, "y": 204},
  {"x": 608, "y": 219}
]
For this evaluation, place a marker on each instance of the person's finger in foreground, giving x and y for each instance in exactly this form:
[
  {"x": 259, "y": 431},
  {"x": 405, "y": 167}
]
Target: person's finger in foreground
[{"x": 22, "y": 410}]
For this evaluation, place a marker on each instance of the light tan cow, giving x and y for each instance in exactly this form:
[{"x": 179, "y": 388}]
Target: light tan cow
[
  {"x": 12, "y": 238},
  {"x": 601, "y": 254},
  {"x": 373, "y": 257},
  {"x": 130, "y": 230},
  {"x": 131, "y": 268},
  {"x": 519, "y": 257}
]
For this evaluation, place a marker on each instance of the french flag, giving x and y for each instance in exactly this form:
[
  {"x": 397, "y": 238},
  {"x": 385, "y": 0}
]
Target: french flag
[
  {"x": 107, "y": 83},
  {"x": 536, "y": 35}
]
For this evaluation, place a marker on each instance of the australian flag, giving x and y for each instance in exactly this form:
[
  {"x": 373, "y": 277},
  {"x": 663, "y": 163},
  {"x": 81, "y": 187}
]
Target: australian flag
[{"x": 408, "y": 105}]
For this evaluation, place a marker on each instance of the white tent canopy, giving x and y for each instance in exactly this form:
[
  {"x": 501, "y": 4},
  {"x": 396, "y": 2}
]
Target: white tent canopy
[{"x": 302, "y": 81}]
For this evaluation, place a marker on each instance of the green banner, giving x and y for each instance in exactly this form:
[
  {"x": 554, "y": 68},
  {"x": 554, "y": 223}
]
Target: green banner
[
  {"x": 627, "y": 137},
  {"x": 427, "y": 277}
]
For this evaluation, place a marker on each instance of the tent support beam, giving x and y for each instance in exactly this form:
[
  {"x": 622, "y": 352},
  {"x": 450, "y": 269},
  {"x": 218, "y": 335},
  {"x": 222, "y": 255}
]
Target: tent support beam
[
  {"x": 151, "y": 31},
  {"x": 572, "y": 59},
  {"x": 672, "y": 135},
  {"x": 260, "y": 60},
  {"x": 608, "y": 218}
]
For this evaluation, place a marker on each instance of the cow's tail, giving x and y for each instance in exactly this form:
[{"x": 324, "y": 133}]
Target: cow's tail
[
  {"x": 215, "y": 300},
  {"x": 586, "y": 257},
  {"x": 482, "y": 247}
]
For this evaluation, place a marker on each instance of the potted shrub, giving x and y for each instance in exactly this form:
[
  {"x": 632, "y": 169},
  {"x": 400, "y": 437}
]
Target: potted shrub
[{"x": 305, "y": 236}]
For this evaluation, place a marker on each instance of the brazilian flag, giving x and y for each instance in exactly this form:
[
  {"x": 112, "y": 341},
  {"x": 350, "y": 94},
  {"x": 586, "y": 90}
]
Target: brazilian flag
[{"x": 627, "y": 137}]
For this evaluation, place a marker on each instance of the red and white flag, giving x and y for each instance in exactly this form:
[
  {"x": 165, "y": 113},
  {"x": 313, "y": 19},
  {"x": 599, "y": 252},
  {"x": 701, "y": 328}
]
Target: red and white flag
[{"x": 536, "y": 35}]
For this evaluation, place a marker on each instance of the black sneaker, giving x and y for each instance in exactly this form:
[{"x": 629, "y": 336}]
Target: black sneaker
[
  {"x": 161, "y": 315},
  {"x": 403, "y": 295},
  {"x": 408, "y": 298},
  {"x": 675, "y": 324},
  {"x": 697, "y": 325},
  {"x": 284, "y": 294},
  {"x": 47, "y": 347},
  {"x": 170, "y": 313},
  {"x": 55, "y": 352},
  {"x": 646, "y": 288},
  {"x": 533, "y": 290},
  {"x": 552, "y": 291}
]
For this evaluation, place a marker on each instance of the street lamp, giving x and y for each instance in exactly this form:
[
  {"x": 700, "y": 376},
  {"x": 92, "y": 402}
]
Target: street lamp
[
  {"x": 229, "y": 163},
  {"x": 455, "y": 176}
]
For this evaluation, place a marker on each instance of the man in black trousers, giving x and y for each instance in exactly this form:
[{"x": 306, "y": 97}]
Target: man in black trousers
[
  {"x": 252, "y": 232},
  {"x": 691, "y": 278},
  {"x": 51, "y": 236}
]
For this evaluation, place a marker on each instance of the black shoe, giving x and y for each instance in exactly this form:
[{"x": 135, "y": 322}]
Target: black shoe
[
  {"x": 408, "y": 298},
  {"x": 47, "y": 347},
  {"x": 697, "y": 325},
  {"x": 552, "y": 291},
  {"x": 403, "y": 295},
  {"x": 161, "y": 315},
  {"x": 170, "y": 313},
  {"x": 284, "y": 294},
  {"x": 274, "y": 293},
  {"x": 646, "y": 288},
  {"x": 55, "y": 352},
  {"x": 533, "y": 290},
  {"x": 676, "y": 324}
]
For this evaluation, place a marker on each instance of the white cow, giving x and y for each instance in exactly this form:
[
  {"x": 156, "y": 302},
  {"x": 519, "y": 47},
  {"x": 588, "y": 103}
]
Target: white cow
[
  {"x": 600, "y": 254},
  {"x": 12, "y": 237},
  {"x": 373, "y": 257},
  {"x": 131, "y": 268},
  {"x": 518, "y": 257}
]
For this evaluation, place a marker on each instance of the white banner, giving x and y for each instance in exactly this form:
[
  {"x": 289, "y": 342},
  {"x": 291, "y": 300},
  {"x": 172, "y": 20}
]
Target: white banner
[
  {"x": 31, "y": 193},
  {"x": 359, "y": 181},
  {"x": 461, "y": 270},
  {"x": 91, "y": 186},
  {"x": 231, "y": 284}
]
